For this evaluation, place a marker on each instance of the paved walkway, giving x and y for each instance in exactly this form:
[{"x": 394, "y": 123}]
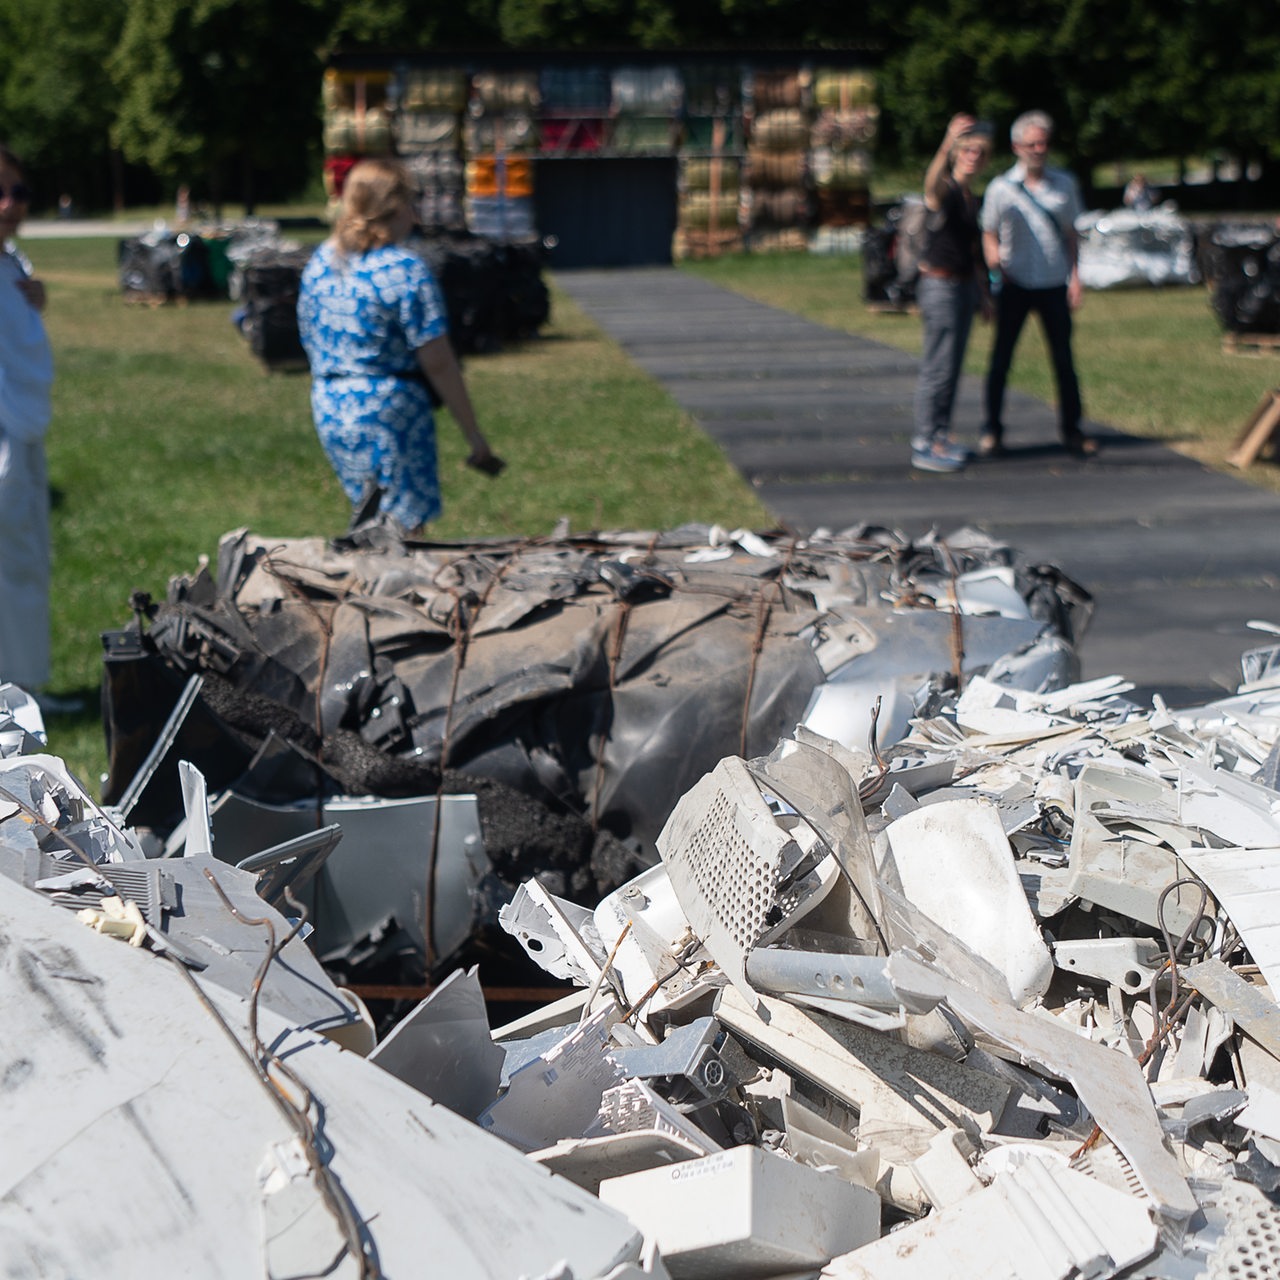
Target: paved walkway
[{"x": 1179, "y": 558}]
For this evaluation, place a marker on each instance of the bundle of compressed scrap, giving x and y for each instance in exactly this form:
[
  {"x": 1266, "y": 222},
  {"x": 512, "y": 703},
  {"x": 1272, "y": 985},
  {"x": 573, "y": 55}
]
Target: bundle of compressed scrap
[
  {"x": 1120, "y": 247},
  {"x": 1240, "y": 262},
  {"x": 573, "y": 687},
  {"x": 996, "y": 1003}
]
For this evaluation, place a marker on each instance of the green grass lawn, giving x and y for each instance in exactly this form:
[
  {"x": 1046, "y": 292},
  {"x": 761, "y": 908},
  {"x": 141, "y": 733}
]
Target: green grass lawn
[
  {"x": 167, "y": 433},
  {"x": 1150, "y": 360}
]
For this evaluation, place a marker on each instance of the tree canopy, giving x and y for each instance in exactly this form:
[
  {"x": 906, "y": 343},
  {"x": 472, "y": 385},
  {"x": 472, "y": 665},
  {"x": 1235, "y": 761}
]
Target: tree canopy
[{"x": 225, "y": 94}]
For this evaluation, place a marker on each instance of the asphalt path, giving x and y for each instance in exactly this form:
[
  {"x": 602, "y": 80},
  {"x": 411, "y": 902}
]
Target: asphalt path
[{"x": 1179, "y": 558}]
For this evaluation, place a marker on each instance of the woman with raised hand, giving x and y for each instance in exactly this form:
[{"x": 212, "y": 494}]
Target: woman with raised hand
[{"x": 952, "y": 286}]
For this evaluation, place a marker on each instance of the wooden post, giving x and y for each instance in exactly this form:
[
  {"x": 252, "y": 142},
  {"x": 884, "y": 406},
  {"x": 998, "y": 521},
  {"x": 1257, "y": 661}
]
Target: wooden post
[{"x": 1263, "y": 426}]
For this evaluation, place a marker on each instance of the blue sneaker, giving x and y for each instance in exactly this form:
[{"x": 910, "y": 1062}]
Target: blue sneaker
[{"x": 935, "y": 458}]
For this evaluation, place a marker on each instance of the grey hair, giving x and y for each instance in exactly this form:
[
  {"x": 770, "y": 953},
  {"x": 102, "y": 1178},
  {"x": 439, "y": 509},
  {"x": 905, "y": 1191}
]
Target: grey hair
[{"x": 1030, "y": 120}]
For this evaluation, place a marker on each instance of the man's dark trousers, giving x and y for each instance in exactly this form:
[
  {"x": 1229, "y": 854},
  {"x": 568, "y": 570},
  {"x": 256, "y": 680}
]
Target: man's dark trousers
[{"x": 1013, "y": 305}]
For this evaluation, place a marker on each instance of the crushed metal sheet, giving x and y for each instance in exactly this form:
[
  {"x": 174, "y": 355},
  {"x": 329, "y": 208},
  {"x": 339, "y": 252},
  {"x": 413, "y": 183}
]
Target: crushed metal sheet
[
  {"x": 559, "y": 1093},
  {"x": 578, "y": 686},
  {"x": 444, "y": 1049},
  {"x": 1109, "y": 1084}
]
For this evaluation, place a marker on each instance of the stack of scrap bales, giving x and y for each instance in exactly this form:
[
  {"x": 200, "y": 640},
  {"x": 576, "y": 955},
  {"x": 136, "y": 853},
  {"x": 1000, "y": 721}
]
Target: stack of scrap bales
[
  {"x": 428, "y": 135},
  {"x": 891, "y": 257},
  {"x": 710, "y": 165},
  {"x": 707, "y": 212},
  {"x": 162, "y": 265},
  {"x": 576, "y": 102},
  {"x": 493, "y": 292},
  {"x": 269, "y": 280},
  {"x": 778, "y": 207},
  {"x": 843, "y": 132},
  {"x": 357, "y": 122},
  {"x": 645, "y": 106},
  {"x": 1240, "y": 263},
  {"x": 501, "y": 134}
]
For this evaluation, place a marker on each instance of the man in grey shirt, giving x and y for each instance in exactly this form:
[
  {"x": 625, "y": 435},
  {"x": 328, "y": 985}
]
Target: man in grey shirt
[{"x": 1029, "y": 239}]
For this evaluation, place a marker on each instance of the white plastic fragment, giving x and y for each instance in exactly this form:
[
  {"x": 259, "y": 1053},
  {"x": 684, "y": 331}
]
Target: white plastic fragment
[
  {"x": 1246, "y": 882},
  {"x": 745, "y": 1213},
  {"x": 117, "y": 919},
  {"x": 944, "y": 1172},
  {"x": 1036, "y": 1222},
  {"x": 444, "y": 1049},
  {"x": 955, "y": 865}
]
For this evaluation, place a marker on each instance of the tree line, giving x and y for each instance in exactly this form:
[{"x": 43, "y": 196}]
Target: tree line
[{"x": 125, "y": 100}]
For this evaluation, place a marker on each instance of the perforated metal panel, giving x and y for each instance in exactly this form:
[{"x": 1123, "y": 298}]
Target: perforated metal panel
[
  {"x": 1250, "y": 1248},
  {"x": 724, "y": 852}
]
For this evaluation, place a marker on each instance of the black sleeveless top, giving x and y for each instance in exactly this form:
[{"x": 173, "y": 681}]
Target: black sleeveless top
[{"x": 952, "y": 237}]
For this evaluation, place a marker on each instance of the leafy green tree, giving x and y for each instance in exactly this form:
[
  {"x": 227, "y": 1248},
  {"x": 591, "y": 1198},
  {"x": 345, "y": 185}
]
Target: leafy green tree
[
  {"x": 56, "y": 98},
  {"x": 221, "y": 94},
  {"x": 403, "y": 26}
]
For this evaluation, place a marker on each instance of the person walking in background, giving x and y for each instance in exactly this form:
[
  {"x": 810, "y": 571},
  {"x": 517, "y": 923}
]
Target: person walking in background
[
  {"x": 1139, "y": 195},
  {"x": 1029, "y": 239},
  {"x": 952, "y": 286},
  {"x": 26, "y": 381},
  {"x": 374, "y": 327}
]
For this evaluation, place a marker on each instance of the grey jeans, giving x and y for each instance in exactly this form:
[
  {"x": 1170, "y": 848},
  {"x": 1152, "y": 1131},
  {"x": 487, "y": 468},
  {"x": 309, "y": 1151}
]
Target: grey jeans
[{"x": 946, "y": 308}]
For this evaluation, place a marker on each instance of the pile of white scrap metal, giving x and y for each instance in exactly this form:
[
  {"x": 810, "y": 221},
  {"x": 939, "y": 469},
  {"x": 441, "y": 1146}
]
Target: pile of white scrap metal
[
  {"x": 996, "y": 1003},
  {"x": 1120, "y": 247},
  {"x": 178, "y": 1097},
  {"x": 573, "y": 687}
]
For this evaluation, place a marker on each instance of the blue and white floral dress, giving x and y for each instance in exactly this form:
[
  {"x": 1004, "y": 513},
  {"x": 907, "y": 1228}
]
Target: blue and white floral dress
[{"x": 362, "y": 317}]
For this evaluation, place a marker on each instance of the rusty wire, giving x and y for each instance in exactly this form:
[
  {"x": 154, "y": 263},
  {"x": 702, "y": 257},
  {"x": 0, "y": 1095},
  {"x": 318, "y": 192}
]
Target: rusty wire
[
  {"x": 957, "y": 618},
  {"x": 764, "y": 614},
  {"x": 268, "y": 1064},
  {"x": 461, "y": 625}
]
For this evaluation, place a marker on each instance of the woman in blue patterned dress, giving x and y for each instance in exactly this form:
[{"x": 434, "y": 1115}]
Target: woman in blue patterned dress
[{"x": 375, "y": 330}]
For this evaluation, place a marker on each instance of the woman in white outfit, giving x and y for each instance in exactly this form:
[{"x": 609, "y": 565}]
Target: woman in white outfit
[{"x": 26, "y": 377}]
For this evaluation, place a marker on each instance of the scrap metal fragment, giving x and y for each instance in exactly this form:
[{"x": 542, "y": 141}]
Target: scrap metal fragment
[
  {"x": 1255, "y": 1011},
  {"x": 1108, "y": 1083},
  {"x": 558, "y": 1094},
  {"x": 444, "y": 1049},
  {"x": 725, "y": 854}
]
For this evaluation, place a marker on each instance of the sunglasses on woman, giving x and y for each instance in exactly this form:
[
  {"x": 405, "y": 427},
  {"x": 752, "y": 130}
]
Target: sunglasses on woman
[{"x": 19, "y": 193}]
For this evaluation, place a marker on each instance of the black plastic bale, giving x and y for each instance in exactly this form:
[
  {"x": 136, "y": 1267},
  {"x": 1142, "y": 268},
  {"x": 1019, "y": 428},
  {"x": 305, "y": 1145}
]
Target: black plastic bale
[
  {"x": 1241, "y": 263},
  {"x": 165, "y": 266}
]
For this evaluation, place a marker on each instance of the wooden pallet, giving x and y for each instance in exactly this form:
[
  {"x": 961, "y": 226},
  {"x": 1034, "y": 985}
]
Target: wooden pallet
[
  {"x": 1251, "y": 344},
  {"x": 1263, "y": 427}
]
